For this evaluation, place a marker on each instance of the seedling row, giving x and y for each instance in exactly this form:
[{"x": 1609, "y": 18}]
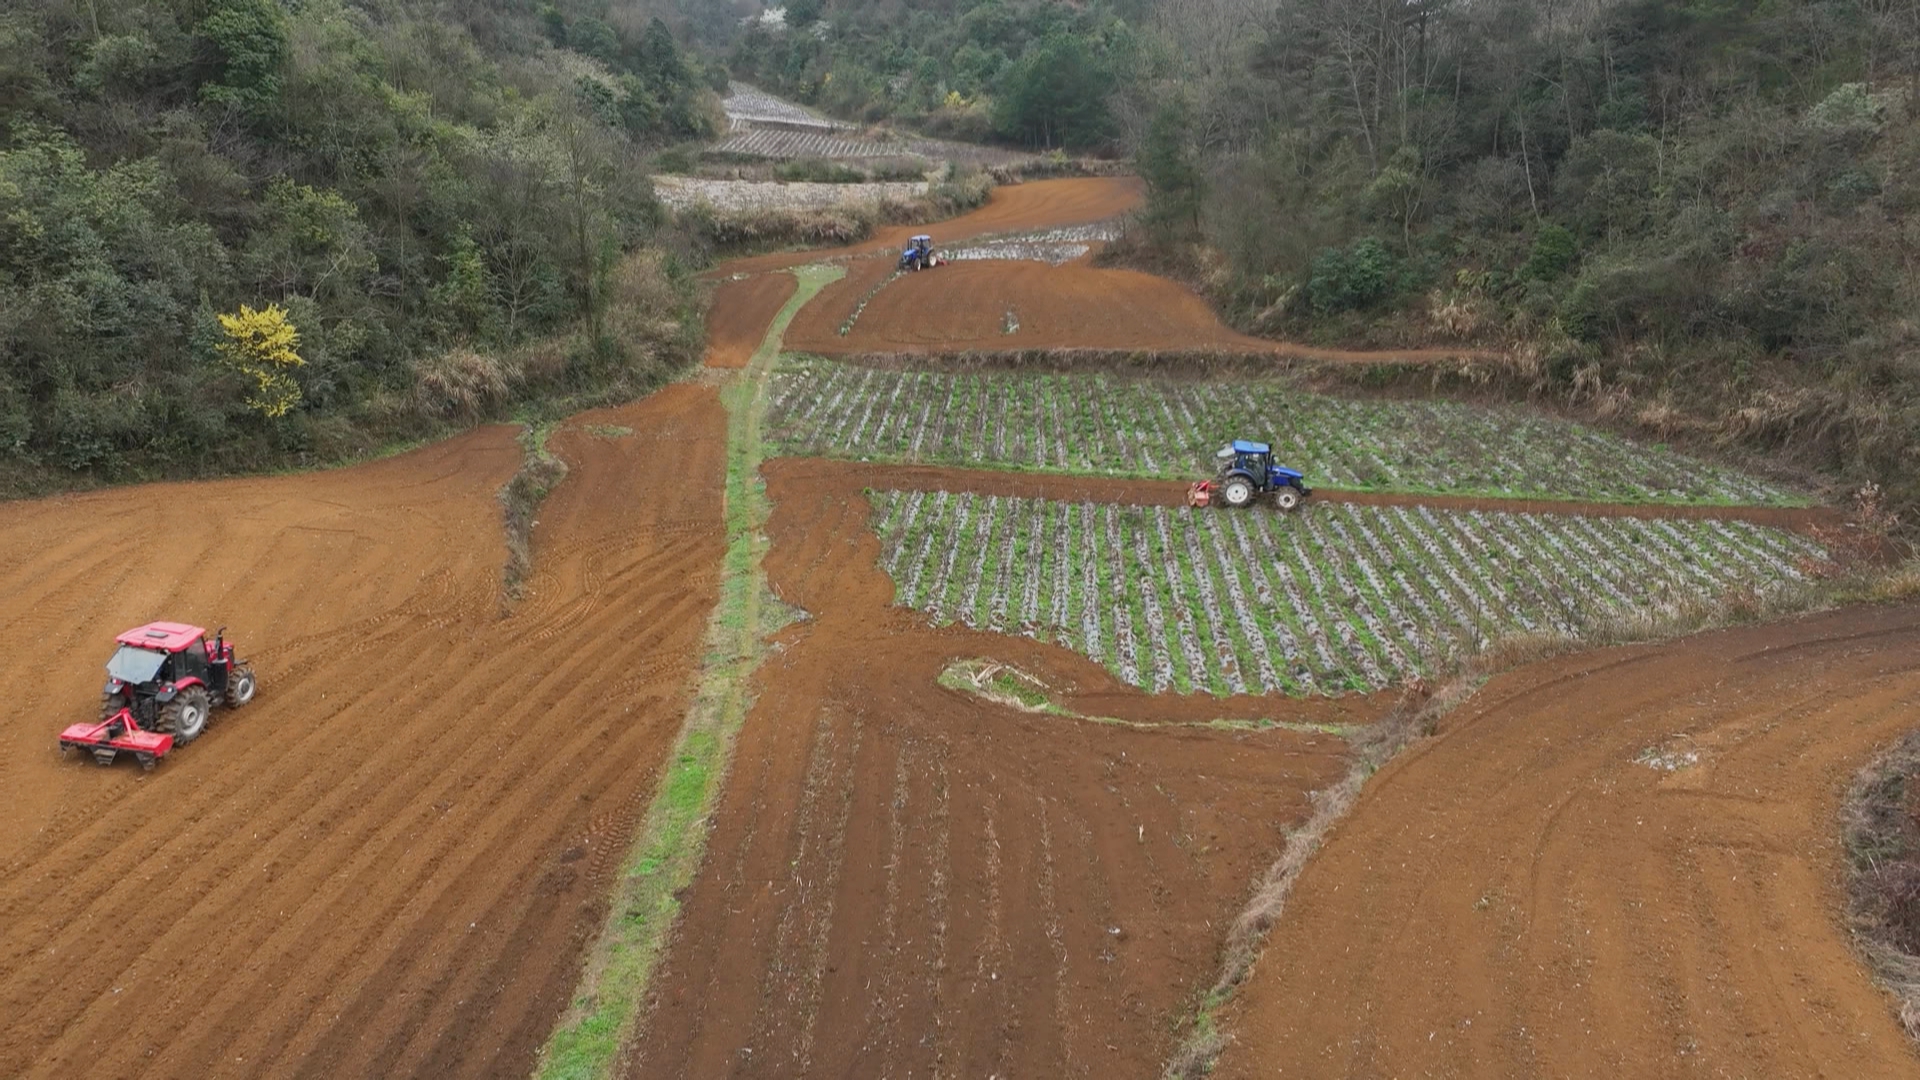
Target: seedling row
[
  {"x": 1106, "y": 425},
  {"x": 783, "y": 143},
  {"x": 1335, "y": 599}
]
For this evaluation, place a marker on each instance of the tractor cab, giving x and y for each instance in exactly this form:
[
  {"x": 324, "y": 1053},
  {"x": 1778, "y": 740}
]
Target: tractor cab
[
  {"x": 153, "y": 658},
  {"x": 919, "y": 253},
  {"x": 1247, "y": 470}
]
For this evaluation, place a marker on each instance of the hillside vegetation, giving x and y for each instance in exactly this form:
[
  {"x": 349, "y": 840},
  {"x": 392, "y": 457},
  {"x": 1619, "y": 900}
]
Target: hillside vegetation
[
  {"x": 240, "y": 233},
  {"x": 1032, "y": 73},
  {"x": 1699, "y": 218}
]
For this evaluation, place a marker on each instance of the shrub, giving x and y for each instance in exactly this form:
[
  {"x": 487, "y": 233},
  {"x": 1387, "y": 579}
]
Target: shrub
[
  {"x": 1554, "y": 250},
  {"x": 1360, "y": 276}
]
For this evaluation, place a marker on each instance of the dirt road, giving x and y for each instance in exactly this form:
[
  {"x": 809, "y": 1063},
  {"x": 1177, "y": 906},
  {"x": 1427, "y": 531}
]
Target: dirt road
[
  {"x": 389, "y": 863},
  {"x": 1524, "y": 897}
]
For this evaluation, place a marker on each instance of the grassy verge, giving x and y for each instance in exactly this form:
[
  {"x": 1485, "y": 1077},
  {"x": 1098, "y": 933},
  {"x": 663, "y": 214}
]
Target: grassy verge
[
  {"x": 670, "y": 841},
  {"x": 540, "y": 472},
  {"x": 1419, "y": 713}
]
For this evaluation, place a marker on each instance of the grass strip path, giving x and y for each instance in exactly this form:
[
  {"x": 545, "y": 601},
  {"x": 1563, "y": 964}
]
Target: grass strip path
[{"x": 670, "y": 842}]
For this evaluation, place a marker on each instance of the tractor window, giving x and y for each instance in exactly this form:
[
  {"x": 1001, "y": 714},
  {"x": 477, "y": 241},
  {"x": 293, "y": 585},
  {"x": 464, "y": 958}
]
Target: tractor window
[
  {"x": 192, "y": 661},
  {"x": 135, "y": 665}
]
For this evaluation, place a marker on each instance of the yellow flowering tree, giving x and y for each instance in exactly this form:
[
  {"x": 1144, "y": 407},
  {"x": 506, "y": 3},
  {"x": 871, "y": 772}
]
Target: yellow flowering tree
[{"x": 260, "y": 345}]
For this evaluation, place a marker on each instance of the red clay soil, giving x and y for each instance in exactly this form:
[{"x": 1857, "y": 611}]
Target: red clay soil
[
  {"x": 967, "y": 306},
  {"x": 1043, "y": 204},
  {"x": 742, "y": 310},
  {"x": 903, "y": 880},
  {"x": 1520, "y": 897},
  {"x": 964, "y": 306},
  {"x": 1099, "y": 489},
  {"x": 391, "y": 862}
]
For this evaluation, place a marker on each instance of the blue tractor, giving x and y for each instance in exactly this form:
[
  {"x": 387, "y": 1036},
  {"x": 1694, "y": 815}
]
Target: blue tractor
[
  {"x": 919, "y": 254},
  {"x": 1247, "y": 472}
]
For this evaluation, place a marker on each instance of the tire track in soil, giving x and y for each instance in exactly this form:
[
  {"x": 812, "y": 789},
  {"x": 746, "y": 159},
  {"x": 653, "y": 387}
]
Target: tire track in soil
[
  {"x": 1521, "y": 897},
  {"x": 776, "y": 960},
  {"x": 391, "y": 863}
]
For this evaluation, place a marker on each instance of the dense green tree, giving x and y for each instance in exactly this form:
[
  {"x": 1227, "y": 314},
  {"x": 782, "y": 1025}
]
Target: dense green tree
[
  {"x": 1176, "y": 190},
  {"x": 1055, "y": 95},
  {"x": 397, "y": 179},
  {"x": 247, "y": 40}
]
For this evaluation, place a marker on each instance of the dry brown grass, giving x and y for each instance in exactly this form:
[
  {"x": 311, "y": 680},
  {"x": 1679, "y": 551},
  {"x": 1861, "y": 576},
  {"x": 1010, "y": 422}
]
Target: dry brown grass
[
  {"x": 1882, "y": 836},
  {"x": 540, "y": 472},
  {"x": 461, "y": 384}
]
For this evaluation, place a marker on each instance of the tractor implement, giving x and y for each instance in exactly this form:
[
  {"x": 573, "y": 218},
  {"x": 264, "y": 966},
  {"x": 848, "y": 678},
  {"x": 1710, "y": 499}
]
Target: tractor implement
[{"x": 120, "y": 732}]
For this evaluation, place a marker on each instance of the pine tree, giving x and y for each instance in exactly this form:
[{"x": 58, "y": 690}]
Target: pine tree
[{"x": 1175, "y": 188}]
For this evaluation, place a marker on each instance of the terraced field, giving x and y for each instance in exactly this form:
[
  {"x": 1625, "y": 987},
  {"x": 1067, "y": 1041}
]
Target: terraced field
[
  {"x": 1334, "y": 599},
  {"x": 1108, "y": 426},
  {"x": 681, "y": 192}
]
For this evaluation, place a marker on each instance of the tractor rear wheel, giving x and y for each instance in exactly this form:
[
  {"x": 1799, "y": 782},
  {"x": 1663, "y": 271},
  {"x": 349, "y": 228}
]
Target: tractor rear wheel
[
  {"x": 240, "y": 686},
  {"x": 1237, "y": 492},
  {"x": 110, "y": 704},
  {"x": 185, "y": 717},
  {"x": 1286, "y": 498}
]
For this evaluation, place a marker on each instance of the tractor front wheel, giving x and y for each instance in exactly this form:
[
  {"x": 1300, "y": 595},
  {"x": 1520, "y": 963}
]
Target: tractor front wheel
[
  {"x": 240, "y": 686},
  {"x": 1237, "y": 492},
  {"x": 185, "y": 717},
  {"x": 1286, "y": 498}
]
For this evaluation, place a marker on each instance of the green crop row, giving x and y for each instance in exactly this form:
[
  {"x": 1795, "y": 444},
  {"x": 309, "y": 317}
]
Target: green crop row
[
  {"x": 1334, "y": 599},
  {"x": 1128, "y": 427}
]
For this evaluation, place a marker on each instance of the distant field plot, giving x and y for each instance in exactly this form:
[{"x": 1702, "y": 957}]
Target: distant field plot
[
  {"x": 1053, "y": 246},
  {"x": 771, "y": 142},
  {"x": 1103, "y": 425},
  {"x": 761, "y": 125},
  {"x": 745, "y": 103},
  {"x": 680, "y": 192},
  {"x": 1335, "y": 599}
]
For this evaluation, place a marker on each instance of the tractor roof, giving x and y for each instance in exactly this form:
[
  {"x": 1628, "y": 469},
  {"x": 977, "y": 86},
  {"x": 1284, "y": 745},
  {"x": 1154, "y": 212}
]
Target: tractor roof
[
  {"x": 1242, "y": 446},
  {"x": 165, "y": 636},
  {"x": 922, "y": 236}
]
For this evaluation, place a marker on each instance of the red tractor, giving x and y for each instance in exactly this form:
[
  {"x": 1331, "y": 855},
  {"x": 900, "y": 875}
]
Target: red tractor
[{"x": 161, "y": 685}]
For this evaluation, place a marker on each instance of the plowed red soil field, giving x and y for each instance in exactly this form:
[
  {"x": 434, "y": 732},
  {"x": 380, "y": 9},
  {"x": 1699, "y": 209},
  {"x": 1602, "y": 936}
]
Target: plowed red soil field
[
  {"x": 1045, "y": 204},
  {"x": 1014, "y": 305},
  {"x": 1522, "y": 897},
  {"x": 903, "y": 880},
  {"x": 970, "y": 305},
  {"x": 741, "y": 312},
  {"x": 390, "y": 863}
]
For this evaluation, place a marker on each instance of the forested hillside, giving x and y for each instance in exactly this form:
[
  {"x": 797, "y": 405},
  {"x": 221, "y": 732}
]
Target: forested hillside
[
  {"x": 1035, "y": 73},
  {"x": 239, "y": 233},
  {"x": 1700, "y": 218}
]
